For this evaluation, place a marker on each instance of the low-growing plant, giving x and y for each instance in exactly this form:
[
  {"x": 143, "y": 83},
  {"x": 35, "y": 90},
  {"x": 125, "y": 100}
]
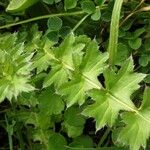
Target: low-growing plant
[{"x": 78, "y": 78}]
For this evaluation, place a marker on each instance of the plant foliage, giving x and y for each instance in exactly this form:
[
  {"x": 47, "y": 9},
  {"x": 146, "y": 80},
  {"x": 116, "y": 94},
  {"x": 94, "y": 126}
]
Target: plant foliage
[{"x": 74, "y": 75}]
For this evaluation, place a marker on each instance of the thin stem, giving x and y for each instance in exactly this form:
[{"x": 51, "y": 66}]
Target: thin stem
[
  {"x": 142, "y": 1},
  {"x": 104, "y": 137},
  {"x": 47, "y": 16},
  {"x": 20, "y": 138},
  {"x": 132, "y": 13},
  {"x": 80, "y": 22},
  {"x": 42, "y": 17},
  {"x": 9, "y": 134}
]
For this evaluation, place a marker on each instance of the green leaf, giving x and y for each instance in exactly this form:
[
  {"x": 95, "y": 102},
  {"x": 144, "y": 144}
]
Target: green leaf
[
  {"x": 96, "y": 16},
  {"x": 53, "y": 36},
  {"x": 54, "y": 23},
  {"x": 56, "y": 73},
  {"x": 40, "y": 135},
  {"x": 16, "y": 6},
  {"x": 144, "y": 60},
  {"x": 92, "y": 65},
  {"x": 122, "y": 53},
  {"x": 69, "y": 4},
  {"x": 74, "y": 91},
  {"x": 147, "y": 79},
  {"x": 11, "y": 41},
  {"x": 64, "y": 31},
  {"x": 50, "y": 103},
  {"x": 136, "y": 130},
  {"x": 15, "y": 68},
  {"x": 63, "y": 63},
  {"x": 135, "y": 43},
  {"x": 73, "y": 122},
  {"x": 82, "y": 142},
  {"x": 138, "y": 32},
  {"x": 88, "y": 6},
  {"x": 42, "y": 59},
  {"x": 36, "y": 119},
  {"x": 28, "y": 99},
  {"x": 57, "y": 142},
  {"x": 116, "y": 96}
]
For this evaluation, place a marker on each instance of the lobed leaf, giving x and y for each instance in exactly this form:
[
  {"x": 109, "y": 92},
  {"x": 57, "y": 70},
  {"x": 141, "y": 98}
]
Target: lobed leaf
[
  {"x": 116, "y": 96},
  {"x": 85, "y": 77},
  {"x": 136, "y": 130}
]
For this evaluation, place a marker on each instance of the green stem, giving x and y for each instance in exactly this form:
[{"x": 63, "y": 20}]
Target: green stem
[
  {"x": 104, "y": 137},
  {"x": 10, "y": 142},
  {"x": 42, "y": 17},
  {"x": 79, "y": 23},
  {"x": 20, "y": 138},
  {"x": 9, "y": 135},
  {"x": 114, "y": 27}
]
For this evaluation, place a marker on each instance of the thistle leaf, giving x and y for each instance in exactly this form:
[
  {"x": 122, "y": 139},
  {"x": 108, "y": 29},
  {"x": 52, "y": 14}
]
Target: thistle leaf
[{"x": 116, "y": 96}]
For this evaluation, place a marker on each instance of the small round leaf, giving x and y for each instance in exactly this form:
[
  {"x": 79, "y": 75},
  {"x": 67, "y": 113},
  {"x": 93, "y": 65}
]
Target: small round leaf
[
  {"x": 96, "y": 16},
  {"x": 88, "y": 6},
  {"x": 69, "y": 4},
  {"x": 53, "y": 36},
  {"x": 64, "y": 31},
  {"x": 135, "y": 43},
  {"x": 54, "y": 23}
]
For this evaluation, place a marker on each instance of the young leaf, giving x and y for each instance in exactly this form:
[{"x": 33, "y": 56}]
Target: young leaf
[
  {"x": 137, "y": 129},
  {"x": 115, "y": 97},
  {"x": 135, "y": 43},
  {"x": 44, "y": 56},
  {"x": 63, "y": 64},
  {"x": 15, "y": 68}
]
